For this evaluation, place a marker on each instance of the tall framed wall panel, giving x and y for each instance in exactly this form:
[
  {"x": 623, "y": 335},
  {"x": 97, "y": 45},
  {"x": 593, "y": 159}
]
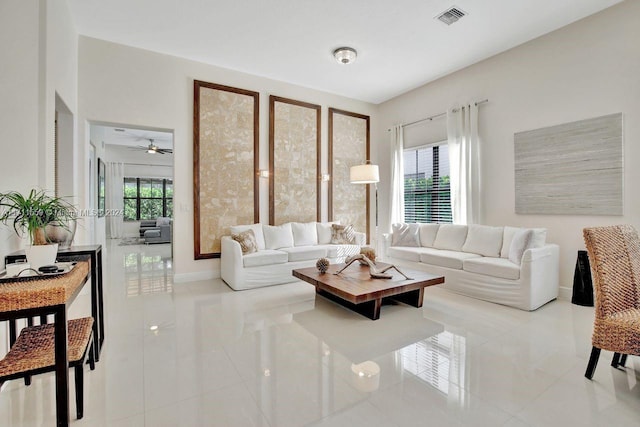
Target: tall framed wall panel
[
  {"x": 294, "y": 161},
  {"x": 349, "y": 145},
  {"x": 225, "y": 163}
]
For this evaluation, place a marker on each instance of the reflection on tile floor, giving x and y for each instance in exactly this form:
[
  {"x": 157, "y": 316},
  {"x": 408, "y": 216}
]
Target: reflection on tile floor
[{"x": 200, "y": 354}]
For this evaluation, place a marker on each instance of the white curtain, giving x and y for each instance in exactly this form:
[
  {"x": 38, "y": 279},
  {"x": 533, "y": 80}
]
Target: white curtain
[
  {"x": 114, "y": 203},
  {"x": 397, "y": 175},
  {"x": 464, "y": 159}
]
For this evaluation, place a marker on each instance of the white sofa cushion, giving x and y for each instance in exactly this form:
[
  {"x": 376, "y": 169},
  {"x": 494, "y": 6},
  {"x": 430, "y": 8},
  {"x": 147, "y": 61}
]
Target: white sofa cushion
[
  {"x": 265, "y": 257},
  {"x": 257, "y": 232},
  {"x": 522, "y": 240},
  {"x": 405, "y": 235},
  {"x": 428, "y": 234},
  {"x": 324, "y": 232},
  {"x": 444, "y": 258},
  {"x": 341, "y": 251},
  {"x": 450, "y": 237},
  {"x": 304, "y": 234},
  {"x": 484, "y": 240},
  {"x": 495, "y": 267},
  {"x": 538, "y": 240},
  {"x": 305, "y": 253},
  {"x": 278, "y": 236},
  {"x": 406, "y": 253}
]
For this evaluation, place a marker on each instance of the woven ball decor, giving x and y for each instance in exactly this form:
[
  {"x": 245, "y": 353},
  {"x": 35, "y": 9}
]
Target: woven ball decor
[{"x": 322, "y": 265}]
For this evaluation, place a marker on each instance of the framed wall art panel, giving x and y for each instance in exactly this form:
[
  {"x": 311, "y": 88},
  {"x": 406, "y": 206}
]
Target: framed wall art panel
[
  {"x": 225, "y": 163},
  {"x": 349, "y": 145},
  {"x": 294, "y": 161},
  {"x": 572, "y": 169}
]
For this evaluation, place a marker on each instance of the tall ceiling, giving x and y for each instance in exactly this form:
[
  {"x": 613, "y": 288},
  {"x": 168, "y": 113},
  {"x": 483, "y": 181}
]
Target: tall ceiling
[{"x": 400, "y": 44}]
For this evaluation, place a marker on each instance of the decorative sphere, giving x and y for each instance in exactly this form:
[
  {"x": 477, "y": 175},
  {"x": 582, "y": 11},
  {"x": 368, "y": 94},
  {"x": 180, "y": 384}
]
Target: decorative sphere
[{"x": 322, "y": 265}]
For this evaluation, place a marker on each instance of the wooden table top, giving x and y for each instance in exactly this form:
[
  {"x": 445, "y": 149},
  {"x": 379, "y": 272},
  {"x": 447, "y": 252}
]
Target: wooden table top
[{"x": 356, "y": 285}]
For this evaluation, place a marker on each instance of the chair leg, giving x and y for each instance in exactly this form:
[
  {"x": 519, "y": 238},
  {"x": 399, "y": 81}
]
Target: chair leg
[
  {"x": 593, "y": 361},
  {"x": 92, "y": 355},
  {"x": 616, "y": 360},
  {"x": 623, "y": 360},
  {"x": 79, "y": 377}
]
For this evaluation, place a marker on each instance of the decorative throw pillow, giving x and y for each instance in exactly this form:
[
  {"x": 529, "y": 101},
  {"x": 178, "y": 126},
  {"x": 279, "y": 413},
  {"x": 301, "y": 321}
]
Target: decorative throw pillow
[
  {"x": 247, "y": 241},
  {"x": 522, "y": 240},
  {"x": 278, "y": 236},
  {"x": 405, "y": 235},
  {"x": 342, "y": 234}
]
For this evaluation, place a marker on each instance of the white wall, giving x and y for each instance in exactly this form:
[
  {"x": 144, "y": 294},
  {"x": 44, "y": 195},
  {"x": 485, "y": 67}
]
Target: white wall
[
  {"x": 38, "y": 47},
  {"x": 119, "y": 84},
  {"x": 584, "y": 70}
]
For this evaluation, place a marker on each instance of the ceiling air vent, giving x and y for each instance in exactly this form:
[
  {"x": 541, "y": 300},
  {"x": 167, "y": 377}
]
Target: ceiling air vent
[{"x": 451, "y": 15}]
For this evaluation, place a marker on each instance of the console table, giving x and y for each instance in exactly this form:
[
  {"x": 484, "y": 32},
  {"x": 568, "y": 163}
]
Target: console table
[
  {"x": 97, "y": 302},
  {"x": 41, "y": 297}
]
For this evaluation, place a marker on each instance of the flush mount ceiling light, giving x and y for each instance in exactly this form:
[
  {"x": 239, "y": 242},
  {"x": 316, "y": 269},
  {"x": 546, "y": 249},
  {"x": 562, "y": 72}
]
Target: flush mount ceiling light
[{"x": 345, "y": 55}]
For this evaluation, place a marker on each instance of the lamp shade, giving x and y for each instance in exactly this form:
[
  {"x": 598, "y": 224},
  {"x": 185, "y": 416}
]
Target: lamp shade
[{"x": 364, "y": 174}]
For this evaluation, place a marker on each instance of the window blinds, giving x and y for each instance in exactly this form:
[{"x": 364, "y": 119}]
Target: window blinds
[{"x": 427, "y": 192}]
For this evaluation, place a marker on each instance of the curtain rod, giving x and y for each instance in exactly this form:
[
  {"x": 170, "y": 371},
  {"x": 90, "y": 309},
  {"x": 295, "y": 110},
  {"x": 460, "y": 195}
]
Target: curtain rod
[{"x": 435, "y": 116}]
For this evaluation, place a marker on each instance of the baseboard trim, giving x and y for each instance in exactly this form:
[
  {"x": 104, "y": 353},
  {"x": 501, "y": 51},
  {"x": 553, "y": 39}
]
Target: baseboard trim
[
  {"x": 194, "y": 277},
  {"x": 565, "y": 293}
]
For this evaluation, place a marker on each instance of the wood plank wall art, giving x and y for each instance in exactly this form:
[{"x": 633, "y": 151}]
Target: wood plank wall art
[
  {"x": 294, "y": 161},
  {"x": 225, "y": 163},
  {"x": 574, "y": 168},
  {"x": 349, "y": 140}
]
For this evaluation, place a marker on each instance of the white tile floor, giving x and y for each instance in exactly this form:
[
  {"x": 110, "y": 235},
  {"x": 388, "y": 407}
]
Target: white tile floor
[{"x": 278, "y": 357}]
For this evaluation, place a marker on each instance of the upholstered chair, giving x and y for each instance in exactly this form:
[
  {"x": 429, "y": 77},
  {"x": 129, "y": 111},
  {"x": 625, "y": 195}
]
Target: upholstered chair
[{"x": 614, "y": 255}]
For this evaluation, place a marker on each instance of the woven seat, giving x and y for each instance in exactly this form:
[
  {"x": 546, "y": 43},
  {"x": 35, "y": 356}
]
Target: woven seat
[
  {"x": 34, "y": 353},
  {"x": 614, "y": 254}
]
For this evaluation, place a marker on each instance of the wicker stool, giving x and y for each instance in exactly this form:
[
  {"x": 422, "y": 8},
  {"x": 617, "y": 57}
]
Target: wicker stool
[{"x": 33, "y": 353}]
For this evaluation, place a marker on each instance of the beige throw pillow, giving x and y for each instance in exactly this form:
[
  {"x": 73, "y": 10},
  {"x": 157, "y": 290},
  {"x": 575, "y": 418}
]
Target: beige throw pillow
[
  {"x": 247, "y": 240},
  {"x": 342, "y": 234}
]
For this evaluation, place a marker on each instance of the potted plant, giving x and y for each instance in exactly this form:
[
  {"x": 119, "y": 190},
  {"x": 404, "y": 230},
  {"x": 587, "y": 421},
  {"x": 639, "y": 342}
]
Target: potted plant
[{"x": 32, "y": 214}]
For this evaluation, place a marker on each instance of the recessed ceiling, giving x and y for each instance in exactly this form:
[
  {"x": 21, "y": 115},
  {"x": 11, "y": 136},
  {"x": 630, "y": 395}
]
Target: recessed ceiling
[
  {"x": 139, "y": 138},
  {"x": 401, "y": 45}
]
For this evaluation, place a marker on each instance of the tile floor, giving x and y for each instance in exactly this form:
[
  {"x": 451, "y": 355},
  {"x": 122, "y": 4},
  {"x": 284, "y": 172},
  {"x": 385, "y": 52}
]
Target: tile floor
[{"x": 200, "y": 354}]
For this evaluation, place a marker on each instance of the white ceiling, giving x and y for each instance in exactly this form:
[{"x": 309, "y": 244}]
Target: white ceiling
[
  {"x": 138, "y": 138},
  {"x": 400, "y": 45}
]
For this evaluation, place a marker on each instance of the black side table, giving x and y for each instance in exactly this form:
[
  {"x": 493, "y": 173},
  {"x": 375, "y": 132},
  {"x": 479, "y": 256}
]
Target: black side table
[{"x": 97, "y": 301}]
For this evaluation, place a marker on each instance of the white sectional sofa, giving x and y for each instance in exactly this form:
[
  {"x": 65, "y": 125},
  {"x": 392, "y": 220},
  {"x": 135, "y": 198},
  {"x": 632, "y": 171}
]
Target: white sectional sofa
[
  {"x": 504, "y": 265},
  {"x": 280, "y": 250}
]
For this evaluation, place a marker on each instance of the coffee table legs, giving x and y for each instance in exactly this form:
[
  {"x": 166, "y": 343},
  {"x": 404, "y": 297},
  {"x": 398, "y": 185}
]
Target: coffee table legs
[
  {"x": 413, "y": 298},
  {"x": 371, "y": 309}
]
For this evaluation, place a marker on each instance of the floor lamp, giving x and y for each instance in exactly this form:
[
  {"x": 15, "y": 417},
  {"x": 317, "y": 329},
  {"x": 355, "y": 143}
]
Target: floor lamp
[{"x": 367, "y": 174}]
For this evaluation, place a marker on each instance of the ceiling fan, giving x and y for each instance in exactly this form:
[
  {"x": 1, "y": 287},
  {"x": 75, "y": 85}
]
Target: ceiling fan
[{"x": 154, "y": 149}]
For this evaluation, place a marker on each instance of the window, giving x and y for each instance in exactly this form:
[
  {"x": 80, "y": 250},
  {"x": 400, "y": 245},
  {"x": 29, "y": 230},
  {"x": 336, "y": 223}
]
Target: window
[
  {"x": 427, "y": 193},
  {"x": 147, "y": 198}
]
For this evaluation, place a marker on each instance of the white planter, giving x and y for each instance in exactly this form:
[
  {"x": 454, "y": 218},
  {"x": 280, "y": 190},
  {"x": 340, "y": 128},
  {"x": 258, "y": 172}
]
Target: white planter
[{"x": 40, "y": 255}]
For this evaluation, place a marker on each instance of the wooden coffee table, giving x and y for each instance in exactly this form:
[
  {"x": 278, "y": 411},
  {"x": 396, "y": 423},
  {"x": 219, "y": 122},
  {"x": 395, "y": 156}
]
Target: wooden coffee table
[{"x": 355, "y": 289}]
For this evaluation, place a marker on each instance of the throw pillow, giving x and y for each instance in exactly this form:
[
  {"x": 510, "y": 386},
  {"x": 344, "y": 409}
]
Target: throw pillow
[
  {"x": 342, "y": 234},
  {"x": 304, "y": 234},
  {"x": 405, "y": 235},
  {"x": 247, "y": 241},
  {"x": 276, "y": 237},
  {"x": 428, "y": 234},
  {"x": 257, "y": 232},
  {"x": 324, "y": 232},
  {"x": 484, "y": 240},
  {"x": 522, "y": 240},
  {"x": 450, "y": 237}
]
